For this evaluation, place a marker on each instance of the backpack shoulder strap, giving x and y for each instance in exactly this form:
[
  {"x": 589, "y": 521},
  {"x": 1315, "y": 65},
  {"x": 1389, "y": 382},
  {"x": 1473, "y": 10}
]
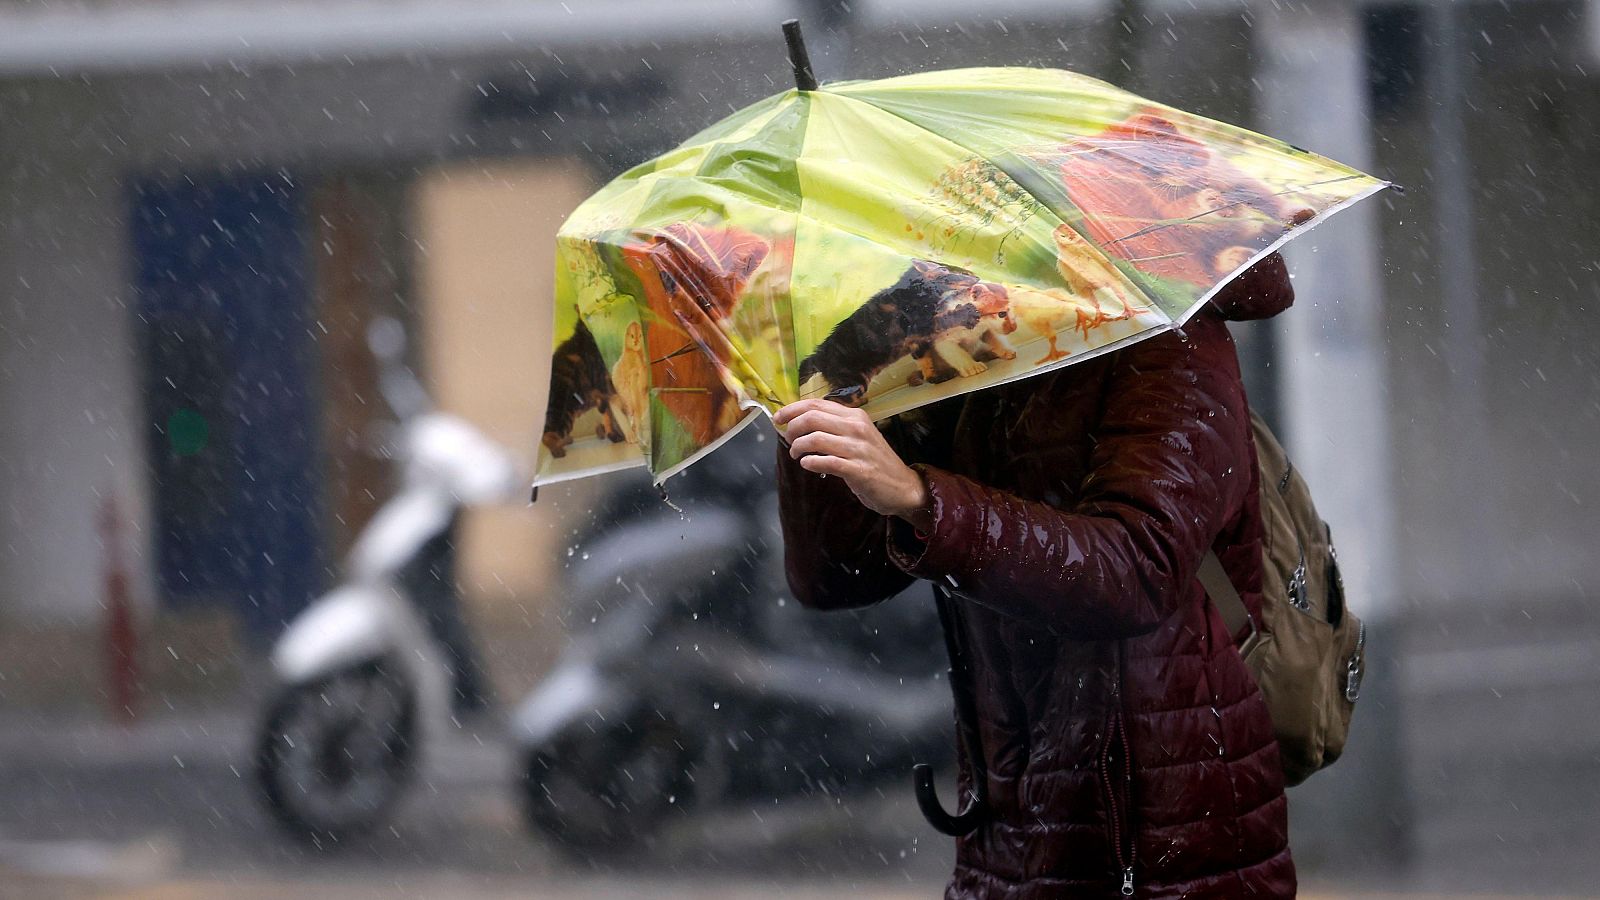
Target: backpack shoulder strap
[{"x": 1220, "y": 589}]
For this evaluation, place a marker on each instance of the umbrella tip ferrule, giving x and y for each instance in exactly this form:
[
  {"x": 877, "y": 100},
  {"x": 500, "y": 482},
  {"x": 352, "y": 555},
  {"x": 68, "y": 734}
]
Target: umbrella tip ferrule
[{"x": 804, "y": 78}]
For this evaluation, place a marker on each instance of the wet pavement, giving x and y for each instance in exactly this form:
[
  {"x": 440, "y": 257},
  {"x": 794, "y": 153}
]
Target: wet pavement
[{"x": 166, "y": 810}]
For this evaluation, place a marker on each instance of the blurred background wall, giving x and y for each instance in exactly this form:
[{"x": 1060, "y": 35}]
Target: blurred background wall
[
  {"x": 203, "y": 204},
  {"x": 489, "y": 230}
]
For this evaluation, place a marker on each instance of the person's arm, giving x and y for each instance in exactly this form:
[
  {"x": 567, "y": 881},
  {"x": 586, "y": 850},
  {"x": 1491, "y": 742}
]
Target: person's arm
[
  {"x": 833, "y": 546},
  {"x": 1169, "y": 468}
]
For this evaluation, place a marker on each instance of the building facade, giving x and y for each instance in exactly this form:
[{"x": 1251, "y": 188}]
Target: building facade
[{"x": 202, "y": 205}]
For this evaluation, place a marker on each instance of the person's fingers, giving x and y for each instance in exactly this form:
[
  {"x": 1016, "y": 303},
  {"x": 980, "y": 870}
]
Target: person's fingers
[
  {"x": 823, "y": 442},
  {"x": 784, "y": 415},
  {"x": 788, "y": 413},
  {"x": 818, "y": 420},
  {"x": 829, "y": 465}
]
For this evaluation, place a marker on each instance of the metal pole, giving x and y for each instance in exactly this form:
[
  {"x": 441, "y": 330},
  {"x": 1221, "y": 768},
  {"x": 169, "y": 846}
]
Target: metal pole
[
  {"x": 1456, "y": 252},
  {"x": 1313, "y": 82}
]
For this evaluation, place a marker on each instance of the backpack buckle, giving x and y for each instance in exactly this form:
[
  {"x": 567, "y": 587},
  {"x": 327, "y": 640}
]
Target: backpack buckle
[{"x": 1249, "y": 642}]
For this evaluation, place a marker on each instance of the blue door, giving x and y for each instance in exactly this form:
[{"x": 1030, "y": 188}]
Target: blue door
[{"x": 225, "y": 328}]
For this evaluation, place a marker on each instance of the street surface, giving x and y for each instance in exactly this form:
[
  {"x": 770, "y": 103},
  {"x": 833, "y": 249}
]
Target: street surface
[{"x": 165, "y": 810}]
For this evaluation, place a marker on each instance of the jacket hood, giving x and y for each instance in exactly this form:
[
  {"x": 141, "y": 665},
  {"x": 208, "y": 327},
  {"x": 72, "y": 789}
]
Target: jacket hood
[{"x": 1260, "y": 292}]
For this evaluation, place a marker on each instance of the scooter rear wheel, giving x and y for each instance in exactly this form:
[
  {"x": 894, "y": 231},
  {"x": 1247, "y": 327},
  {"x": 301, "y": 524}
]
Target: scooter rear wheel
[
  {"x": 609, "y": 790},
  {"x": 334, "y": 755}
]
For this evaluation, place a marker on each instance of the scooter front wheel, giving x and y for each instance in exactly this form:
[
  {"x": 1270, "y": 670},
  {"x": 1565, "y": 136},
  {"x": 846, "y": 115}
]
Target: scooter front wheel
[{"x": 334, "y": 754}]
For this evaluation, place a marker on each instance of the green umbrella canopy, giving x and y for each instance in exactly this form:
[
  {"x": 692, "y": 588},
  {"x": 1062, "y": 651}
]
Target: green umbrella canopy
[{"x": 890, "y": 243}]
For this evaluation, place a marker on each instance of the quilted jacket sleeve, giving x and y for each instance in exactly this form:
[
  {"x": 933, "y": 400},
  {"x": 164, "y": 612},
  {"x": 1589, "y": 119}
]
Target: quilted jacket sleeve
[
  {"x": 834, "y": 553},
  {"x": 1170, "y": 468}
]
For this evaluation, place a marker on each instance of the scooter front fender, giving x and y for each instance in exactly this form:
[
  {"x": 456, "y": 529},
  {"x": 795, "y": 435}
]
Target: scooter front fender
[
  {"x": 573, "y": 691},
  {"x": 346, "y": 626}
]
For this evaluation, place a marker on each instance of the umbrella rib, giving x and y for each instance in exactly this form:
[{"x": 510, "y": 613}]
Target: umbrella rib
[
  {"x": 1305, "y": 187},
  {"x": 1170, "y": 222},
  {"x": 686, "y": 348}
]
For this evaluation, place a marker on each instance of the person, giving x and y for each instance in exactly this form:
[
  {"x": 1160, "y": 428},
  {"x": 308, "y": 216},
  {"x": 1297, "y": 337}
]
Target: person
[{"x": 1127, "y": 749}]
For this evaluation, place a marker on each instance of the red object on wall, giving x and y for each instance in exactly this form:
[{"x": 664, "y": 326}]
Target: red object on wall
[{"x": 121, "y": 637}]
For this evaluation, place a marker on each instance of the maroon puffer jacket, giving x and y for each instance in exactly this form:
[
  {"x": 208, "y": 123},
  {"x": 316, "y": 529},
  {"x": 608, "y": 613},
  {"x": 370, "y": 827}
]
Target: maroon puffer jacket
[{"x": 1120, "y": 727}]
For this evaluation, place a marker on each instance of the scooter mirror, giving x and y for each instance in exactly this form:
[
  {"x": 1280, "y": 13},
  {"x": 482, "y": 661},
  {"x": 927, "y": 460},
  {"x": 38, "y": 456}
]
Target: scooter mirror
[{"x": 386, "y": 338}]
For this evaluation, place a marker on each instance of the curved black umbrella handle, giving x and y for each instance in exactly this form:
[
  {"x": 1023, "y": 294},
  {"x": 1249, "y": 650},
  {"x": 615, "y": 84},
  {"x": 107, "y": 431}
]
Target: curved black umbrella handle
[
  {"x": 977, "y": 813},
  {"x": 959, "y": 825}
]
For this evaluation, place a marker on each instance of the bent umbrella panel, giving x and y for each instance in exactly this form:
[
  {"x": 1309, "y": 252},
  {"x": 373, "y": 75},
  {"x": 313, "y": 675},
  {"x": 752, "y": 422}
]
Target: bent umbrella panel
[{"x": 889, "y": 244}]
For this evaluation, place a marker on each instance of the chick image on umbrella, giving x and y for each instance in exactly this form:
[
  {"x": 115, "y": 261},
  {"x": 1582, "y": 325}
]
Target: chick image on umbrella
[{"x": 890, "y": 243}]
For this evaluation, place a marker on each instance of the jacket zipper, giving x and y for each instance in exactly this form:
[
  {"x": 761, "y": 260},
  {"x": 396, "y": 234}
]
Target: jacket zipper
[{"x": 1117, "y": 786}]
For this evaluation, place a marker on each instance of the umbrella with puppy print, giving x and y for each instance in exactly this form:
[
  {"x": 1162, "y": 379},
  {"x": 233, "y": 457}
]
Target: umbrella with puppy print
[{"x": 894, "y": 242}]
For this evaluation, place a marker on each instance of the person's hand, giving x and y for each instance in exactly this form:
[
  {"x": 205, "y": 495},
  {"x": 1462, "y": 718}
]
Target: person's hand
[{"x": 833, "y": 439}]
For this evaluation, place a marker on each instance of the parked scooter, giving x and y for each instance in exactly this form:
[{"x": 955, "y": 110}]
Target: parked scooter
[
  {"x": 364, "y": 683},
  {"x": 693, "y": 682}
]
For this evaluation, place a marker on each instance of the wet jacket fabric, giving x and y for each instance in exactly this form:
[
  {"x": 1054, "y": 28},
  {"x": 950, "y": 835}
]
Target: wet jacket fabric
[{"x": 1121, "y": 731}]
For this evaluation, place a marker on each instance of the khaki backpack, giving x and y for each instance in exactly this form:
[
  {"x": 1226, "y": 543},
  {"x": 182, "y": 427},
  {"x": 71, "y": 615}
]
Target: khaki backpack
[{"x": 1308, "y": 651}]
